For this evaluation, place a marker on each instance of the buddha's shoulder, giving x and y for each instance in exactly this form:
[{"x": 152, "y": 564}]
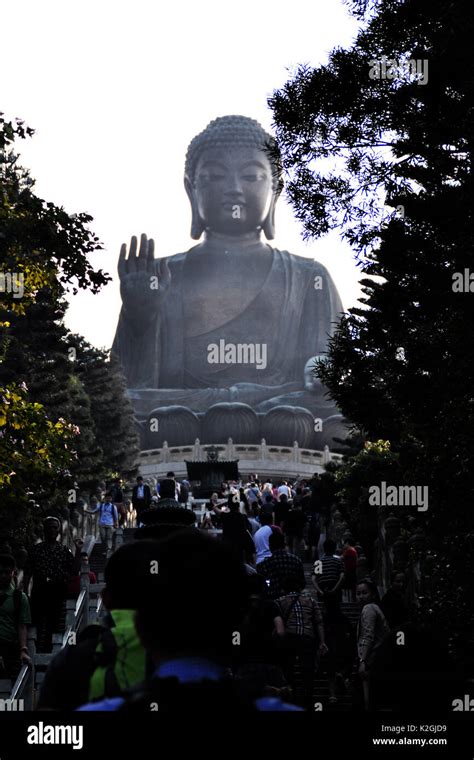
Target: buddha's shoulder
[
  {"x": 303, "y": 263},
  {"x": 296, "y": 261},
  {"x": 175, "y": 259},
  {"x": 175, "y": 263}
]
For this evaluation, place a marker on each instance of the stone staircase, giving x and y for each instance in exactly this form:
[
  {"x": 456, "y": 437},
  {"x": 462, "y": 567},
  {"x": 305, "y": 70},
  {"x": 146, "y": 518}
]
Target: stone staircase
[
  {"x": 321, "y": 685},
  {"x": 97, "y": 562},
  {"x": 97, "y": 558}
]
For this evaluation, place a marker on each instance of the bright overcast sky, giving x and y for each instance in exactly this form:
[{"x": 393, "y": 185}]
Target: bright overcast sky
[{"x": 116, "y": 90}]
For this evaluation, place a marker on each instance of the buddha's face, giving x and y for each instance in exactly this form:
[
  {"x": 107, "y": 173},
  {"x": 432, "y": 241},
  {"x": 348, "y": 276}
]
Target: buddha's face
[{"x": 233, "y": 189}]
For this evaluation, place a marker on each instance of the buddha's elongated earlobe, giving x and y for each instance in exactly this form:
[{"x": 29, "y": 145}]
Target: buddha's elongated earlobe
[
  {"x": 197, "y": 225},
  {"x": 269, "y": 223}
]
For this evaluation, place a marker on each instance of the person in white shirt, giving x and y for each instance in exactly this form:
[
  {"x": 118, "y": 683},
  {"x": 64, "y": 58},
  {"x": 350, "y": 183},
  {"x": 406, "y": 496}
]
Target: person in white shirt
[
  {"x": 253, "y": 494},
  {"x": 283, "y": 489},
  {"x": 254, "y": 524},
  {"x": 141, "y": 497},
  {"x": 261, "y": 539}
]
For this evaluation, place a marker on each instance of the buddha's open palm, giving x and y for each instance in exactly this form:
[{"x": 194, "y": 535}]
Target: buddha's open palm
[{"x": 143, "y": 279}]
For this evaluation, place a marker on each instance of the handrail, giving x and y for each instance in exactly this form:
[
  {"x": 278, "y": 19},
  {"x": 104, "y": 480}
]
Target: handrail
[
  {"x": 21, "y": 682},
  {"x": 77, "y": 617},
  {"x": 22, "y": 692},
  {"x": 74, "y": 621},
  {"x": 100, "y": 607}
]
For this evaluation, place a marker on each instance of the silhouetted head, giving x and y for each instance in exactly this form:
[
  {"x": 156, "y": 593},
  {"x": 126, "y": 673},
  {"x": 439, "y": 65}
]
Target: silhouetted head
[
  {"x": 329, "y": 546},
  {"x": 276, "y": 541},
  {"x": 7, "y": 568},
  {"x": 291, "y": 583},
  {"x": 51, "y": 528},
  {"x": 125, "y": 573},
  {"x": 193, "y": 603},
  {"x": 398, "y": 582}
]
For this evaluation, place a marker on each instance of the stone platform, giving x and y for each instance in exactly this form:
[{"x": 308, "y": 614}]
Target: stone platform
[{"x": 263, "y": 459}]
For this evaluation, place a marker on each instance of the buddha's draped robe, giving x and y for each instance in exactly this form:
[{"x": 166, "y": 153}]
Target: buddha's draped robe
[{"x": 164, "y": 365}]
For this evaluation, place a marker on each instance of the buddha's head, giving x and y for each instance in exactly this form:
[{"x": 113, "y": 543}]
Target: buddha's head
[{"x": 233, "y": 178}]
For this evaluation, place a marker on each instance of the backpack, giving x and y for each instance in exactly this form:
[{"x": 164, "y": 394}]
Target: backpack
[
  {"x": 109, "y": 677},
  {"x": 16, "y": 605},
  {"x": 104, "y": 658}
]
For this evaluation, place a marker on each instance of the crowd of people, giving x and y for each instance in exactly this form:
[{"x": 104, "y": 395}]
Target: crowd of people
[{"x": 229, "y": 615}]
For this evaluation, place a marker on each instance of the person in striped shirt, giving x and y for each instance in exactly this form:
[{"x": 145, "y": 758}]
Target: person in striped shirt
[
  {"x": 328, "y": 576},
  {"x": 304, "y": 632}
]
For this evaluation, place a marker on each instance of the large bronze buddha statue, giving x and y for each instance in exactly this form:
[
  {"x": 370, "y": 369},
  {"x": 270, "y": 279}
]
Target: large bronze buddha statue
[{"x": 220, "y": 341}]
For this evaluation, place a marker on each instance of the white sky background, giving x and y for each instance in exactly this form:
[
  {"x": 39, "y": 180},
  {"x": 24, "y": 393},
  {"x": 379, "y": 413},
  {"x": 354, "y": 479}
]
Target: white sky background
[{"x": 116, "y": 90}]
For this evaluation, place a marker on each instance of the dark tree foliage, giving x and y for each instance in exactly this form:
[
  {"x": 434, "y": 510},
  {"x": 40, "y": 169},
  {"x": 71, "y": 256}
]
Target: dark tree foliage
[
  {"x": 39, "y": 237},
  {"x": 388, "y": 161},
  {"x": 114, "y": 421},
  {"x": 37, "y": 354},
  {"x": 87, "y": 469},
  {"x": 46, "y": 251}
]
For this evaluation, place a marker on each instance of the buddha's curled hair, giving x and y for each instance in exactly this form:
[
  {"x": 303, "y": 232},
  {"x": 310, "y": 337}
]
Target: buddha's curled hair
[{"x": 235, "y": 130}]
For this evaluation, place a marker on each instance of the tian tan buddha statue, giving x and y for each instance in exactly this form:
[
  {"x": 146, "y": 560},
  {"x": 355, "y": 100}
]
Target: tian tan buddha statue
[{"x": 220, "y": 341}]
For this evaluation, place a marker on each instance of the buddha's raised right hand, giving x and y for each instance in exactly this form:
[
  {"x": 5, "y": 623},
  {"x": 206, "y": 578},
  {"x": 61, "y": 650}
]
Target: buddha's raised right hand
[{"x": 143, "y": 280}]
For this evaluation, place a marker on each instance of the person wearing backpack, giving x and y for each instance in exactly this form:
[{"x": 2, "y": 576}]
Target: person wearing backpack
[
  {"x": 14, "y": 619},
  {"x": 253, "y": 494},
  {"x": 187, "y": 617},
  {"x": 106, "y": 659},
  {"x": 108, "y": 521}
]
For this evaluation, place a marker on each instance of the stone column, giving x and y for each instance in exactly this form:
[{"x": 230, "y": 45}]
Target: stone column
[
  {"x": 296, "y": 453},
  {"x": 326, "y": 455}
]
